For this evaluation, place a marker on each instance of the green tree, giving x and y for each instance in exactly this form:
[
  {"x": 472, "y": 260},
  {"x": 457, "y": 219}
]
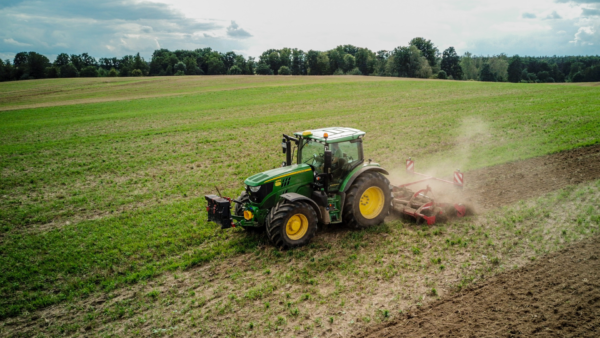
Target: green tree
[
  {"x": 140, "y": 64},
  {"x": 284, "y": 70},
  {"x": 469, "y": 67},
  {"x": 298, "y": 62},
  {"x": 20, "y": 66},
  {"x": 322, "y": 64},
  {"x": 2, "y": 71},
  {"x": 7, "y": 73},
  {"x": 234, "y": 70},
  {"x": 409, "y": 63},
  {"x": 215, "y": 65},
  {"x": 274, "y": 61},
  {"x": 61, "y": 60},
  {"x": 251, "y": 65},
  {"x": 137, "y": 72},
  {"x": 578, "y": 77},
  {"x": 89, "y": 71},
  {"x": 180, "y": 67},
  {"x": 515, "y": 69},
  {"x": 349, "y": 63},
  {"x": 499, "y": 67},
  {"x": 112, "y": 73},
  {"x": 68, "y": 70},
  {"x": 76, "y": 61},
  {"x": 285, "y": 57},
  {"x": 451, "y": 63},
  {"x": 365, "y": 59},
  {"x": 263, "y": 69},
  {"x": 36, "y": 65},
  {"x": 442, "y": 75},
  {"x": 52, "y": 72},
  {"x": 354, "y": 71},
  {"x": 544, "y": 76},
  {"x": 229, "y": 60},
  {"x": 575, "y": 68},
  {"x": 191, "y": 65},
  {"x": 336, "y": 60},
  {"x": 427, "y": 48},
  {"x": 486, "y": 74}
]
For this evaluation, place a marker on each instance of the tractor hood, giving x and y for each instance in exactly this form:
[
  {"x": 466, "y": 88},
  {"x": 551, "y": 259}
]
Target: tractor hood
[{"x": 274, "y": 174}]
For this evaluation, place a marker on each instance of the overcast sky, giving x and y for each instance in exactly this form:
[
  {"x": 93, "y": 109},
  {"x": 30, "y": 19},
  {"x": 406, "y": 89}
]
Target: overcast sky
[{"x": 119, "y": 27}]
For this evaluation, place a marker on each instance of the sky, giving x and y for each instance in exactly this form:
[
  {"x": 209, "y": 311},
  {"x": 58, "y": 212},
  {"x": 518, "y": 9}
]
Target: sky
[{"x": 106, "y": 28}]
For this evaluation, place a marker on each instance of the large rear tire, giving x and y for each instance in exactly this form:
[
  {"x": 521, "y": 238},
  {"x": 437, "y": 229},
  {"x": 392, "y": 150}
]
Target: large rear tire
[
  {"x": 291, "y": 224},
  {"x": 367, "y": 201}
]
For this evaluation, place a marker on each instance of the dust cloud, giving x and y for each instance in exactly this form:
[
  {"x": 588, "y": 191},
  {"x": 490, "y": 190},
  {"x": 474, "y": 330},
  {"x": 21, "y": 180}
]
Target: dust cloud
[{"x": 472, "y": 131}]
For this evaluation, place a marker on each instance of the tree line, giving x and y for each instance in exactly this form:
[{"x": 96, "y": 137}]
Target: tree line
[{"x": 419, "y": 59}]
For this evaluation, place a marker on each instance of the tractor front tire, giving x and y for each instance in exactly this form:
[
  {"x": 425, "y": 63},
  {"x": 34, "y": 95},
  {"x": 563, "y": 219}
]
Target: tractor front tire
[
  {"x": 367, "y": 201},
  {"x": 239, "y": 211},
  {"x": 291, "y": 224}
]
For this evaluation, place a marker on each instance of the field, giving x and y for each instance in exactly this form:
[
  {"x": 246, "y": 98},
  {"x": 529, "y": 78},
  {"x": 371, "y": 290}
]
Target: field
[{"x": 102, "y": 229}]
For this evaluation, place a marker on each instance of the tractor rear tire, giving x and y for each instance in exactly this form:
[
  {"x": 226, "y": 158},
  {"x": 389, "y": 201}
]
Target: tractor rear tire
[
  {"x": 239, "y": 211},
  {"x": 367, "y": 201},
  {"x": 291, "y": 224}
]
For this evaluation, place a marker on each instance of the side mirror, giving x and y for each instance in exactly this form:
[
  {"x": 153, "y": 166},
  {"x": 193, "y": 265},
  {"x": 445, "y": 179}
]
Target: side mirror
[
  {"x": 327, "y": 159},
  {"x": 283, "y": 146}
]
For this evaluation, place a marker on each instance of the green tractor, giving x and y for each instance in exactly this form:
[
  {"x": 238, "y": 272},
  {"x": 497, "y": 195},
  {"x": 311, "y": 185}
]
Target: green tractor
[{"x": 326, "y": 182}]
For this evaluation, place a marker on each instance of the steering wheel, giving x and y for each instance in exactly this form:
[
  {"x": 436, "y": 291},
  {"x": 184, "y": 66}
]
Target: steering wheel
[{"x": 315, "y": 158}]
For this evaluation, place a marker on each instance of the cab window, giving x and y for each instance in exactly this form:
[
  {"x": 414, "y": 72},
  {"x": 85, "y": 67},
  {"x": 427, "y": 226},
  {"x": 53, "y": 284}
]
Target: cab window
[
  {"x": 312, "y": 153},
  {"x": 346, "y": 156}
]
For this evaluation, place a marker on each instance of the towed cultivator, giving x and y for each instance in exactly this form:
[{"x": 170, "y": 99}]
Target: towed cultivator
[{"x": 422, "y": 205}]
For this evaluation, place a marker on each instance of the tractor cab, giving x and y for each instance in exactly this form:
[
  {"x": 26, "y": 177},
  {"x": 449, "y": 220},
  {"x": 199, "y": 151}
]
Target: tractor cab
[{"x": 344, "y": 145}]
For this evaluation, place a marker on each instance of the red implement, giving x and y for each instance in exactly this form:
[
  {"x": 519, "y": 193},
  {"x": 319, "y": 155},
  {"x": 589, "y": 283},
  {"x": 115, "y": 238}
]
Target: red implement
[{"x": 421, "y": 204}]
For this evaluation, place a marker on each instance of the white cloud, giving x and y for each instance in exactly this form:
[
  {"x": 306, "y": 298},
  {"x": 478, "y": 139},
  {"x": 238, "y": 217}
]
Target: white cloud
[
  {"x": 553, "y": 16},
  {"x": 584, "y": 36},
  {"x": 235, "y": 31},
  {"x": 12, "y": 41}
]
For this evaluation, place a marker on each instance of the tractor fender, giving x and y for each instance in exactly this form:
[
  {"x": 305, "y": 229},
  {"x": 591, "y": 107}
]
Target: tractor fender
[
  {"x": 293, "y": 197},
  {"x": 346, "y": 185}
]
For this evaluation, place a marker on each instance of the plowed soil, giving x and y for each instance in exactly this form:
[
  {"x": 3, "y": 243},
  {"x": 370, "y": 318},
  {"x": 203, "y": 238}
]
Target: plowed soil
[
  {"x": 508, "y": 183},
  {"x": 557, "y": 296}
]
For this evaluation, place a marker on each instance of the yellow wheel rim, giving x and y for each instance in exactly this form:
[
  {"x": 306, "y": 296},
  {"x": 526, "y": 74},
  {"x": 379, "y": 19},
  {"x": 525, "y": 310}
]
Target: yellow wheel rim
[
  {"x": 371, "y": 202},
  {"x": 296, "y": 227}
]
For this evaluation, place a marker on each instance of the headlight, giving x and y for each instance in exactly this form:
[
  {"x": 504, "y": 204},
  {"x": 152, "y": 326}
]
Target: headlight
[{"x": 254, "y": 189}]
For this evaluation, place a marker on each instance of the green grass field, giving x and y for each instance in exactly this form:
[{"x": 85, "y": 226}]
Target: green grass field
[{"x": 102, "y": 181}]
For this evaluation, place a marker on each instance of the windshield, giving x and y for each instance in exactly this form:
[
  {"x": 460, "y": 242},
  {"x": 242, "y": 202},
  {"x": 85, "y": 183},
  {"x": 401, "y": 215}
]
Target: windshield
[{"x": 312, "y": 153}]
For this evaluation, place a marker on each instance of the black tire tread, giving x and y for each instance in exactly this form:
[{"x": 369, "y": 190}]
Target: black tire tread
[
  {"x": 348, "y": 214},
  {"x": 275, "y": 224}
]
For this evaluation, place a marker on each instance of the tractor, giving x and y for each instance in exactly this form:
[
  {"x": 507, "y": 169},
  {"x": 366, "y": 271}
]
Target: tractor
[{"x": 327, "y": 181}]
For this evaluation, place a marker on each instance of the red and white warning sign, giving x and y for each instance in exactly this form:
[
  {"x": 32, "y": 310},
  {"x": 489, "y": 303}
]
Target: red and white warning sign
[
  {"x": 458, "y": 178},
  {"x": 410, "y": 165}
]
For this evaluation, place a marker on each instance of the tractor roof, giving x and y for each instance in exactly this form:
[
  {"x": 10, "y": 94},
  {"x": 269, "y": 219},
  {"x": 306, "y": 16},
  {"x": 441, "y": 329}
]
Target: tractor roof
[{"x": 334, "y": 134}]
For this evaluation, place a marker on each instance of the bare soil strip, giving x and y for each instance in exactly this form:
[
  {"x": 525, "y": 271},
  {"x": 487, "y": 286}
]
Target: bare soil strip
[
  {"x": 508, "y": 183},
  {"x": 557, "y": 296}
]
